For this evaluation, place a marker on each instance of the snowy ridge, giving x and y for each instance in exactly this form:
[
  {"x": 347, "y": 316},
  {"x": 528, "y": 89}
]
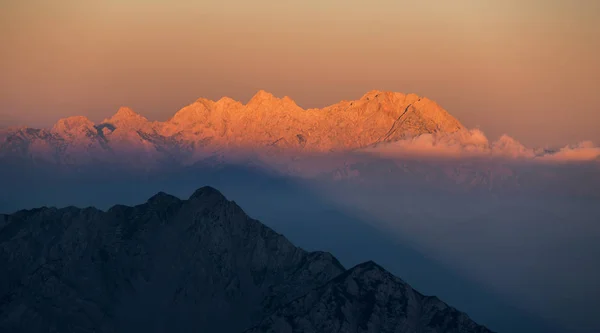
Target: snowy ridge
[
  {"x": 407, "y": 136},
  {"x": 205, "y": 126}
]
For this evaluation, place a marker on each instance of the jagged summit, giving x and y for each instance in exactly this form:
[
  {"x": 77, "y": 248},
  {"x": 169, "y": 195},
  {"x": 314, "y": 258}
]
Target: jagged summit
[
  {"x": 72, "y": 123},
  {"x": 163, "y": 198},
  {"x": 261, "y": 96},
  {"x": 126, "y": 117},
  {"x": 207, "y": 192},
  {"x": 266, "y": 100},
  {"x": 124, "y": 112},
  {"x": 228, "y": 101},
  {"x": 265, "y": 122},
  {"x": 370, "y": 264}
]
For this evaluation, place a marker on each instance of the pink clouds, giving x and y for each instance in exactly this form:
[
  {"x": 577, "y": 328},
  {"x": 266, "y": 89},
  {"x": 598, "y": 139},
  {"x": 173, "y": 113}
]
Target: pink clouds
[
  {"x": 583, "y": 151},
  {"x": 474, "y": 143},
  {"x": 467, "y": 143}
]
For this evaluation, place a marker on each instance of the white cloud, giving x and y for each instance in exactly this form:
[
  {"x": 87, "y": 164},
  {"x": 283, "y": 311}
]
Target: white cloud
[
  {"x": 474, "y": 143},
  {"x": 469, "y": 143},
  {"x": 583, "y": 151}
]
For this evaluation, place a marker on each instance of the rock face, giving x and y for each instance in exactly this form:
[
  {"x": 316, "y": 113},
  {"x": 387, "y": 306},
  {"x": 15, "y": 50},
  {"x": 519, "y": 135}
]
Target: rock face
[
  {"x": 166, "y": 265},
  {"x": 208, "y": 126},
  {"x": 367, "y": 298},
  {"x": 191, "y": 265}
]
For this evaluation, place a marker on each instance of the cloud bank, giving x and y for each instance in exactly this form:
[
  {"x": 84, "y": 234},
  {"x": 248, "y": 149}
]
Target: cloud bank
[
  {"x": 474, "y": 143},
  {"x": 583, "y": 151}
]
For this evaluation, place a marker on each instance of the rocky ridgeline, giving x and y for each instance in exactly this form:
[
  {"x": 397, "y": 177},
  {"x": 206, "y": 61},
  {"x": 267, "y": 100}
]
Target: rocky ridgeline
[
  {"x": 204, "y": 127},
  {"x": 196, "y": 265}
]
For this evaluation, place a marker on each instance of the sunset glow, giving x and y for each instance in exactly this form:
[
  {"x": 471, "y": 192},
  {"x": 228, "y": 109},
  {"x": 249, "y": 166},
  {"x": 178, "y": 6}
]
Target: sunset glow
[
  {"x": 523, "y": 68},
  {"x": 316, "y": 166}
]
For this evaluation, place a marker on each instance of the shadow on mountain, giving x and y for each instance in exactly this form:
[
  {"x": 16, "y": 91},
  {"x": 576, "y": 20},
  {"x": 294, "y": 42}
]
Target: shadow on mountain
[{"x": 288, "y": 206}]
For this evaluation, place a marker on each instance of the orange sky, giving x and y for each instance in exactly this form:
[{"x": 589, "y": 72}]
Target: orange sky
[{"x": 526, "y": 68}]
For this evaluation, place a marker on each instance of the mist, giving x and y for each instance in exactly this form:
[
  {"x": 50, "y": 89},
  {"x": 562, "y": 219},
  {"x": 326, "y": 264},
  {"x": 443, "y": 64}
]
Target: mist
[
  {"x": 517, "y": 250},
  {"x": 538, "y": 252}
]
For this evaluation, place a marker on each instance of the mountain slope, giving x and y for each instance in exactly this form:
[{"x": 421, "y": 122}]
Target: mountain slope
[
  {"x": 170, "y": 265},
  {"x": 166, "y": 265},
  {"x": 367, "y": 298}
]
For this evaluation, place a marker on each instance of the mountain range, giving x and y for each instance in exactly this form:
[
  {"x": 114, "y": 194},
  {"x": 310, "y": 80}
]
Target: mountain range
[
  {"x": 206, "y": 127},
  {"x": 407, "y": 136},
  {"x": 386, "y": 165},
  {"x": 192, "y": 265}
]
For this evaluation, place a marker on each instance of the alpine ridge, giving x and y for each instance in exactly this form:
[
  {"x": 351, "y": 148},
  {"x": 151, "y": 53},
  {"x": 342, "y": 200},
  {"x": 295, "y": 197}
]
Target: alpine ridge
[
  {"x": 201, "y": 264},
  {"x": 205, "y": 126},
  {"x": 379, "y": 134}
]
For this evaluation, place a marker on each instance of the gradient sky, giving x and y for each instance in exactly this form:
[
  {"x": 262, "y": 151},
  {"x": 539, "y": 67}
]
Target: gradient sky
[{"x": 526, "y": 68}]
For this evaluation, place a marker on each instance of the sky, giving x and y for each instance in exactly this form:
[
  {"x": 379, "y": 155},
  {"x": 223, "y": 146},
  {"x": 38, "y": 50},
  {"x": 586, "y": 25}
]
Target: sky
[{"x": 524, "y": 68}]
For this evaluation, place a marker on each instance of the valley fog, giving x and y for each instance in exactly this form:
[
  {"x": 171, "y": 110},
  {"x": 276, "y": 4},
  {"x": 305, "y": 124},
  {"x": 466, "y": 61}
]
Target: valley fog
[{"x": 515, "y": 260}]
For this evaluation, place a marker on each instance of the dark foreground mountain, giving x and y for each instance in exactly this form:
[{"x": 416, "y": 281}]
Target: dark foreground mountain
[
  {"x": 196, "y": 265},
  {"x": 367, "y": 298}
]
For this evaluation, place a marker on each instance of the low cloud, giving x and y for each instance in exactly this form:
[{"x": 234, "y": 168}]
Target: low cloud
[
  {"x": 581, "y": 152},
  {"x": 474, "y": 143},
  {"x": 470, "y": 143}
]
